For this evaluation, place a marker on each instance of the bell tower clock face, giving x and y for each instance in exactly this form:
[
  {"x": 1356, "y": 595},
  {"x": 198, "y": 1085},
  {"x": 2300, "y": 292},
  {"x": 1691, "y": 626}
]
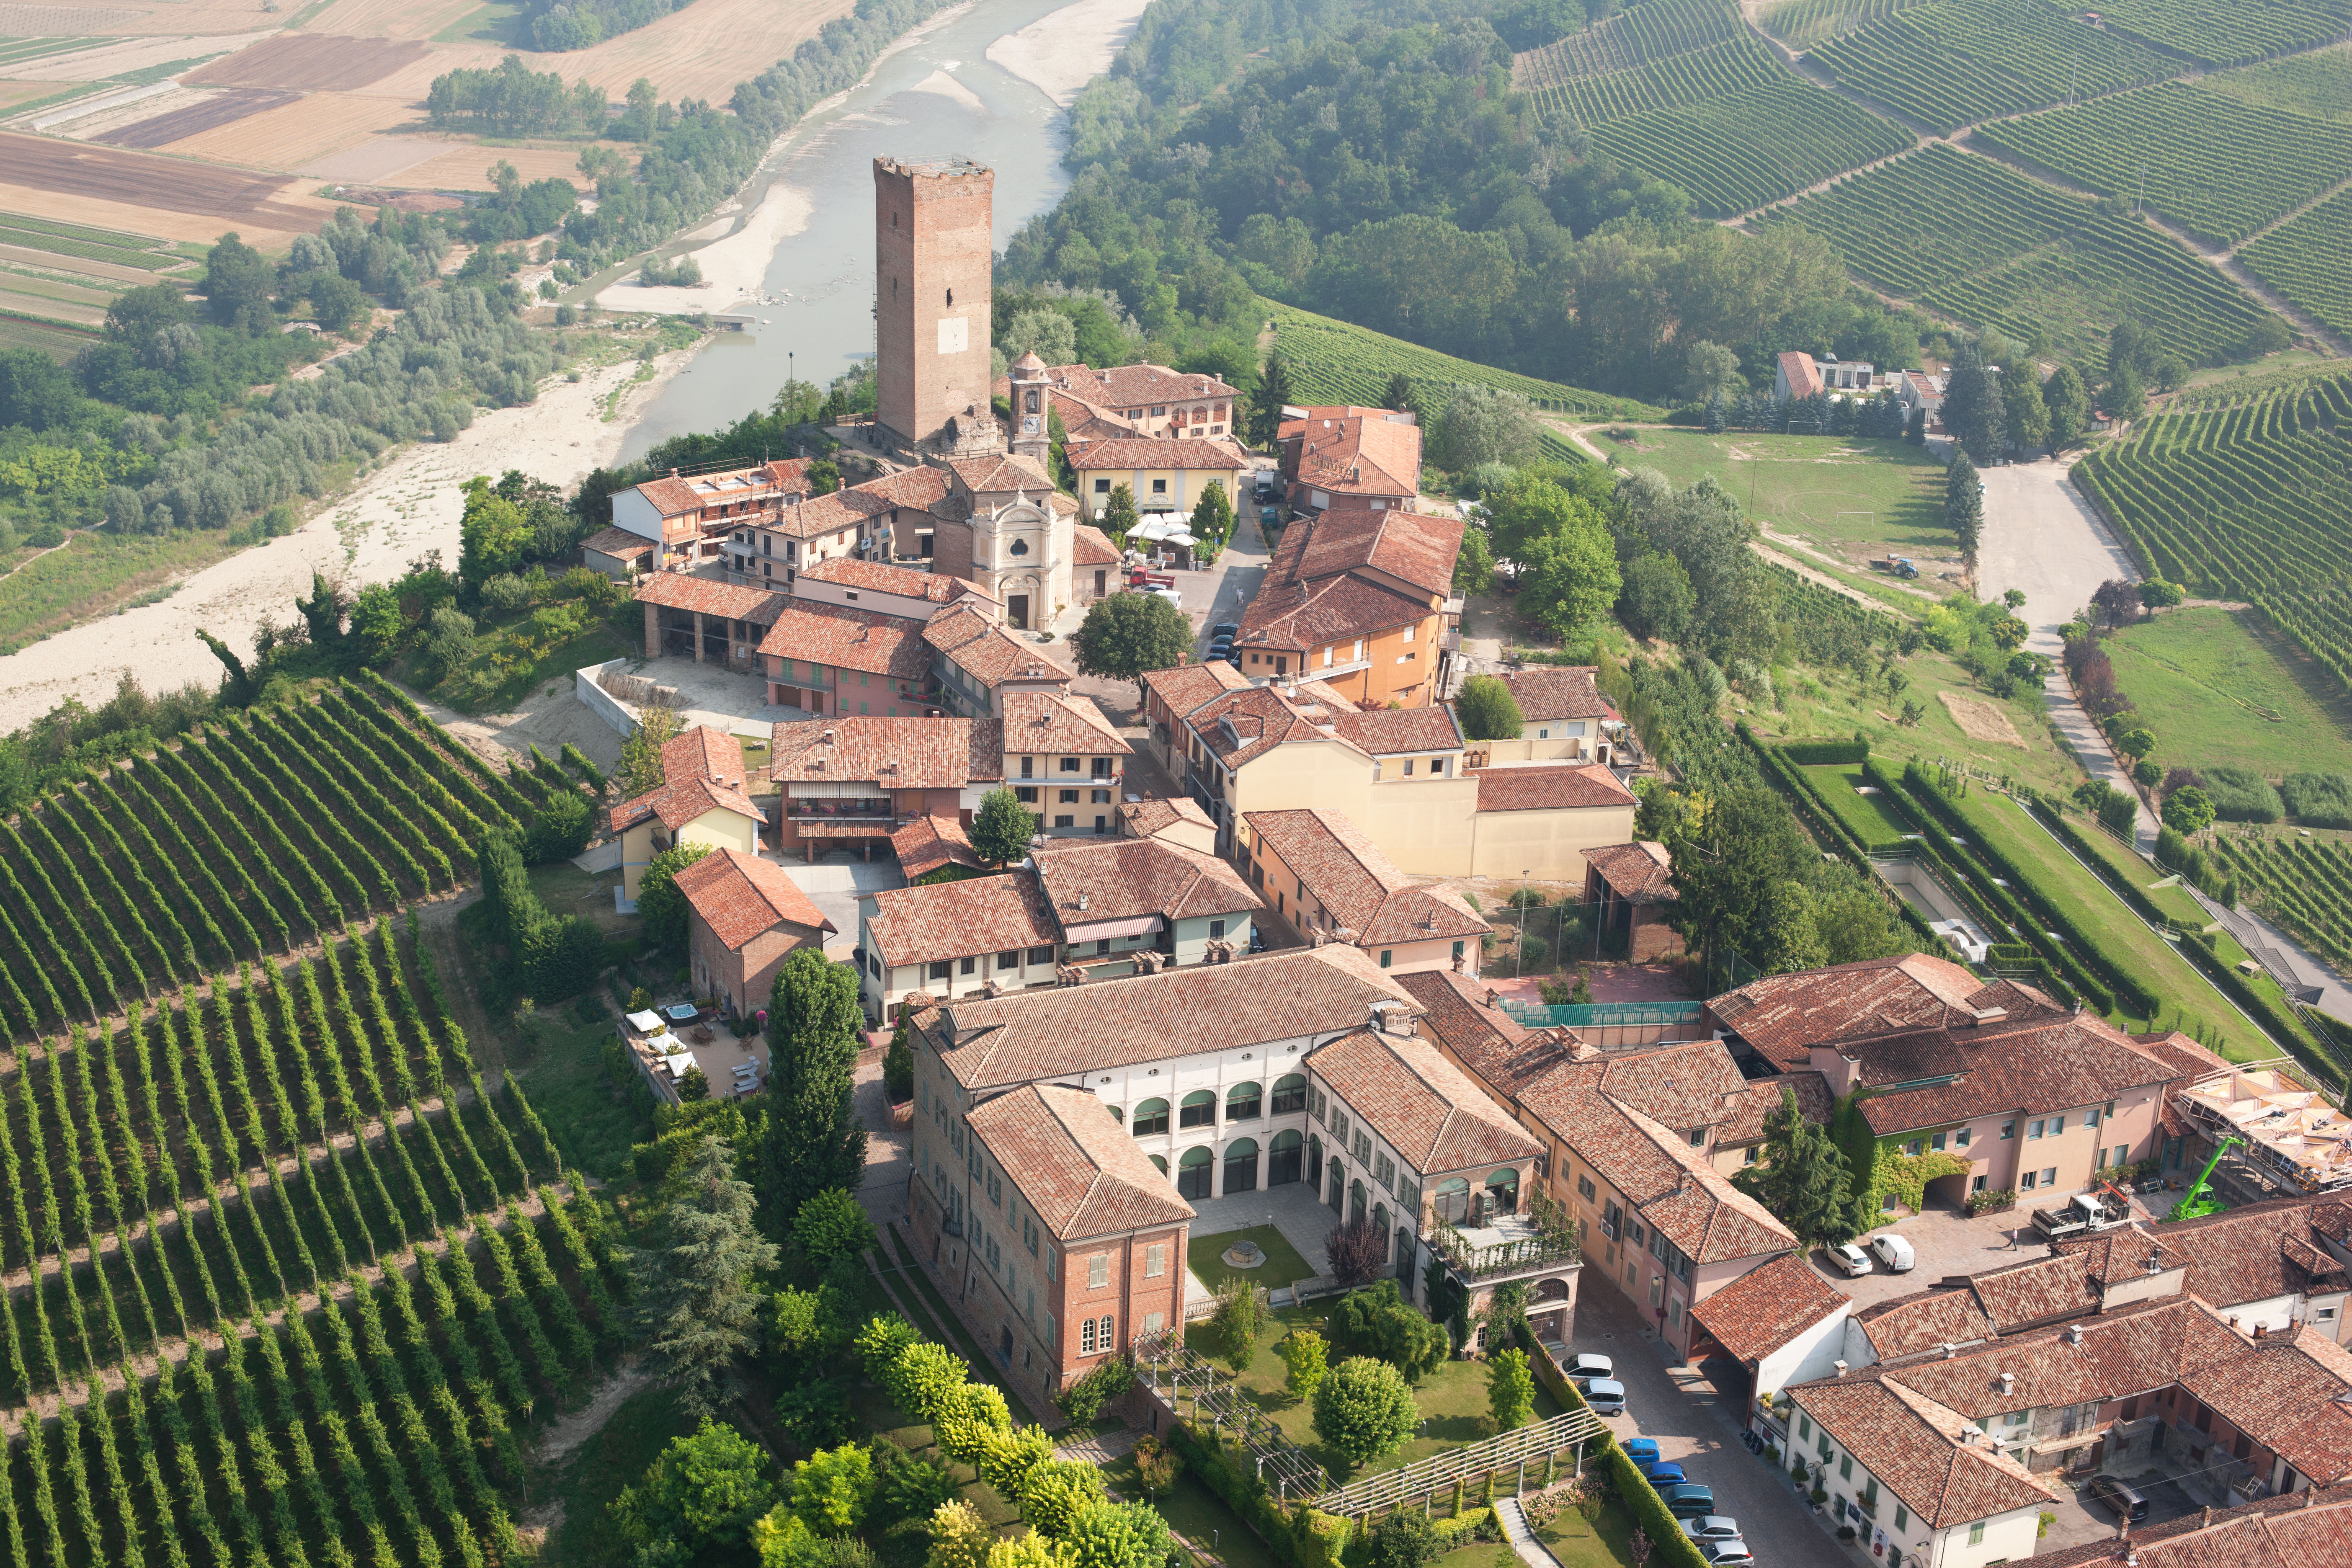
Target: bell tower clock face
[{"x": 1029, "y": 423}]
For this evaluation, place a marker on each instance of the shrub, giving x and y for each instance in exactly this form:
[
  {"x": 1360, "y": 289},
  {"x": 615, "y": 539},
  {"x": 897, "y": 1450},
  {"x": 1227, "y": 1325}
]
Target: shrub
[
  {"x": 1084, "y": 1400},
  {"x": 1377, "y": 1320},
  {"x": 831, "y": 1489},
  {"x": 1985, "y": 1202},
  {"x": 2242, "y": 794},
  {"x": 1307, "y": 1355},
  {"x": 2318, "y": 800},
  {"x": 1402, "y": 1540},
  {"x": 830, "y": 1226},
  {"x": 1816, "y": 753},
  {"x": 1363, "y": 1409}
]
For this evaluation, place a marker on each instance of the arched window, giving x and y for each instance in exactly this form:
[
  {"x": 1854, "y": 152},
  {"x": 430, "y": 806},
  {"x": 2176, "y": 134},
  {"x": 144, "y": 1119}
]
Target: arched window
[
  {"x": 1503, "y": 1187},
  {"x": 1020, "y": 547},
  {"x": 1193, "y": 1172},
  {"x": 1199, "y": 1109},
  {"x": 1453, "y": 1199},
  {"x": 1314, "y": 1174},
  {"x": 1380, "y": 1222},
  {"x": 1118, "y": 1113},
  {"x": 1151, "y": 1117},
  {"x": 1281, "y": 1159},
  {"x": 1404, "y": 1254},
  {"x": 1159, "y": 1162},
  {"x": 1032, "y": 401},
  {"x": 1289, "y": 1094},
  {"x": 1242, "y": 1103},
  {"x": 1356, "y": 1199},
  {"x": 1241, "y": 1165},
  {"x": 1338, "y": 1190}
]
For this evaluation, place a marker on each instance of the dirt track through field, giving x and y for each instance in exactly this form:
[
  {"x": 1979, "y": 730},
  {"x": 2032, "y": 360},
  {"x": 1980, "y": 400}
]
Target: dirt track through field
[{"x": 311, "y": 62}]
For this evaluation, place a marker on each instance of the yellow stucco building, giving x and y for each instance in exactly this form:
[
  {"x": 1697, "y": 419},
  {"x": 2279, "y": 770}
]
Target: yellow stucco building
[{"x": 704, "y": 799}]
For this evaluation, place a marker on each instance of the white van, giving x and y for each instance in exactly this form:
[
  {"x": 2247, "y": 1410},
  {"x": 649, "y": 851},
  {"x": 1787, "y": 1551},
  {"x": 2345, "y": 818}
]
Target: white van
[{"x": 1893, "y": 1251}]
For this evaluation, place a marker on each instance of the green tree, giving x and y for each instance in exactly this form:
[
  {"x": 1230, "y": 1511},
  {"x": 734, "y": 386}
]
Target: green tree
[
  {"x": 898, "y": 1065},
  {"x": 377, "y": 623},
  {"x": 1241, "y": 1312},
  {"x": 813, "y": 1142},
  {"x": 1402, "y": 1540},
  {"x": 1119, "y": 514},
  {"x": 1363, "y": 1409},
  {"x": 1473, "y": 563},
  {"x": 1749, "y": 845},
  {"x": 1802, "y": 1177},
  {"x": 1484, "y": 424},
  {"x": 1569, "y": 576},
  {"x": 2154, "y": 594},
  {"x": 2124, "y": 396},
  {"x": 1213, "y": 516},
  {"x": 2028, "y": 414},
  {"x": 2069, "y": 402},
  {"x": 1265, "y": 409},
  {"x": 831, "y": 1489},
  {"x": 1488, "y": 710},
  {"x": 1307, "y": 1355},
  {"x": 1973, "y": 410},
  {"x": 661, "y": 906},
  {"x": 640, "y": 772},
  {"x": 236, "y": 285},
  {"x": 2135, "y": 741},
  {"x": 831, "y": 1227},
  {"x": 1510, "y": 1389},
  {"x": 1003, "y": 827},
  {"x": 697, "y": 1310},
  {"x": 1964, "y": 503},
  {"x": 1108, "y": 1534},
  {"x": 2188, "y": 810},
  {"x": 1056, "y": 1492},
  {"x": 703, "y": 1492},
  {"x": 959, "y": 1537},
  {"x": 1708, "y": 371},
  {"x": 1378, "y": 1320},
  {"x": 491, "y": 534},
  {"x": 1049, "y": 334},
  {"x": 1655, "y": 600},
  {"x": 1125, "y": 634}
]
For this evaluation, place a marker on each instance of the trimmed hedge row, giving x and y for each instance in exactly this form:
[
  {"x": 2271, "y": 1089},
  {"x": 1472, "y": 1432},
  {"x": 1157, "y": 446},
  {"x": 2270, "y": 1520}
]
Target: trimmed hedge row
[
  {"x": 1828, "y": 828},
  {"x": 1818, "y": 753},
  {"x": 1669, "y": 1546}
]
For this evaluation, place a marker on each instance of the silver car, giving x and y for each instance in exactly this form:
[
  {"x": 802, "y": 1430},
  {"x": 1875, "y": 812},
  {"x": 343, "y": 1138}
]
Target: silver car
[
  {"x": 1845, "y": 1255},
  {"x": 1712, "y": 1527},
  {"x": 1606, "y": 1396}
]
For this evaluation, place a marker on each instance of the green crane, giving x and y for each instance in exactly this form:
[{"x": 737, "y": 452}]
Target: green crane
[{"x": 2199, "y": 1200}]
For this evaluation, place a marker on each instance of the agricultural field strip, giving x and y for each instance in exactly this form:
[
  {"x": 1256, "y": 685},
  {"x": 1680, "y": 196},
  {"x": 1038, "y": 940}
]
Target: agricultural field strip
[
  {"x": 1716, "y": 71},
  {"x": 1957, "y": 62},
  {"x": 2235, "y": 33},
  {"x": 2304, "y": 261},
  {"x": 1803, "y": 23},
  {"x": 1655, "y": 30},
  {"x": 2305, "y": 885},
  {"x": 2219, "y": 166},
  {"x": 1761, "y": 144},
  {"x": 2317, "y": 83},
  {"x": 1333, "y": 360}
]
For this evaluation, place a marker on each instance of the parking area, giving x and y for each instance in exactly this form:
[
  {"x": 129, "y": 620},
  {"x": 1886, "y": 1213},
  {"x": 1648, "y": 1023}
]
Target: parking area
[
  {"x": 2081, "y": 1522},
  {"x": 1693, "y": 1426},
  {"x": 1944, "y": 1244}
]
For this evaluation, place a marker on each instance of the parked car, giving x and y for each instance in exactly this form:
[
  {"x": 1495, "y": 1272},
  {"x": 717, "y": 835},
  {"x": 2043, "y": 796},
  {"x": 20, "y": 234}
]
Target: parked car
[
  {"x": 1606, "y": 1396},
  {"x": 1174, "y": 596},
  {"x": 1894, "y": 1252},
  {"x": 1268, "y": 515},
  {"x": 1664, "y": 1473},
  {"x": 1712, "y": 1527},
  {"x": 2127, "y": 1504},
  {"x": 1227, "y": 630},
  {"x": 1845, "y": 1255},
  {"x": 1731, "y": 1553},
  {"x": 1688, "y": 1501},
  {"x": 1221, "y": 647},
  {"x": 1642, "y": 1450},
  {"x": 1580, "y": 1367}
]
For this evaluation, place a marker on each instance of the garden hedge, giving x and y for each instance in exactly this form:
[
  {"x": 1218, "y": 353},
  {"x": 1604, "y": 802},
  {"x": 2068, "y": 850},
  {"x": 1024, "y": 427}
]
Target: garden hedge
[
  {"x": 1830, "y": 829},
  {"x": 1820, "y": 753},
  {"x": 1670, "y": 1547}
]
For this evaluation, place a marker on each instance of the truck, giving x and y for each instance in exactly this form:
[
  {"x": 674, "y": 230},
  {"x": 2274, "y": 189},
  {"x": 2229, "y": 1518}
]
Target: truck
[{"x": 2079, "y": 1216}]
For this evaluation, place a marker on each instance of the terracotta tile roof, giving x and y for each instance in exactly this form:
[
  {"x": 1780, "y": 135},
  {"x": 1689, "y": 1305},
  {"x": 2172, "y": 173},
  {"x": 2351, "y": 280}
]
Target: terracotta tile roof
[
  {"x": 1241, "y": 726},
  {"x": 1121, "y": 454},
  {"x": 708, "y": 595},
  {"x": 987, "y": 651},
  {"x": 1488, "y": 1041},
  {"x": 936, "y": 586},
  {"x": 1002, "y": 473},
  {"x": 1640, "y": 873},
  {"x": 1136, "y": 386},
  {"x": 2025, "y": 1294},
  {"x": 1668, "y": 1183},
  {"x": 1188, "y": 686},
  {"x": 1091, "y": 426},
  {"x": 821, "y": 515},
  {"x": 895, "y": 753},
  {"x": 1427, "y": 1109},
  {"x": 957, "y": 919},
  {"x": 1814, "y": 1103},
  {"x": 703, "y": 752},
  {"x": 1074, "y": 1162},
  {"x": 1913, "y": 1446},
  {"x": 1361, "y": 887},
  {"x": 1090, "y": 546},
  {"x": 1923, "y": 1320},
  {"x": 1121, "y": 878},
  {"x": 1784, "y": 1015},
  {"x": 683, "y": 801},
  {"x": 1353, "y": 451},
  {"x": 1766, "y": 1307},
  {"x": 617, "y": 542},
  {"x": 2037, "y": 1066},
  {"x": 927, "y": 843},
  {"x": 1545, "y": 692},
  {"x": 1350, "y": 574},
  {"x": 1149, "y": 818},
  {"x": 2294, "y": 1529},
  {"x": 1683, "y": 1086},
  {"x": 2179, "y": 1052},
  {"x": 916, "y": 488},
  {"x": 1804, "y": 375},
  {"x": 1053, "y": 721},
  {"x": 672, "y": 496},
  {"x": 840, "y": 637},
  {"x": 741, "y": 896},
  {"x": 1115, "y": 1022},
  {"x": 1385, "y": 732},
  {"x": 2247, "y": 1254},
  {"x": 1550, "y": 788}
]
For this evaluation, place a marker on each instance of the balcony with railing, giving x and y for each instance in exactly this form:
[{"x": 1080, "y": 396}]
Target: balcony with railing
[{"x": 1544, "y": 1239}]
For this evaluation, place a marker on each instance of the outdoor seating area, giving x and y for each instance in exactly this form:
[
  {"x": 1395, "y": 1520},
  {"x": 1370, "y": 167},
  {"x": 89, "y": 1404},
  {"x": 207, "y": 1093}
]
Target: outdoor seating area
[{"x": 669, "y": 1040}]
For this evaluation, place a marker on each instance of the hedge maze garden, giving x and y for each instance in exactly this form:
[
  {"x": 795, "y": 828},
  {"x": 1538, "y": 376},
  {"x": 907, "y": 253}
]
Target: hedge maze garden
[{"x": 294, "y": 1278}]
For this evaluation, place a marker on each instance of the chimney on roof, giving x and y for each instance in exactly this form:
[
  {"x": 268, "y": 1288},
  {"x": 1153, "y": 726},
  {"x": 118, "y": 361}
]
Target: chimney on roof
[
  {"x": 825, "y": 739},
  {"x": 1949, "y": 1349},
  {"x": 1082, "y": 901},
  {"x": 2074, "y": 1333},
  {"x": 2261, "y": 1330},
  {"x": 1841, "y": 1366},
  {"x": 2009, "y": 1383}
]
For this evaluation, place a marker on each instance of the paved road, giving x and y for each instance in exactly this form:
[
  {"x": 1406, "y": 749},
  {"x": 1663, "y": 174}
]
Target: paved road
[{"x": 2042, "y": 539}]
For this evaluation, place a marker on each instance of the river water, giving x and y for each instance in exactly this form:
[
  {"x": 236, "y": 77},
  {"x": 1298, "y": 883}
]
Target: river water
[{"x": 938, "y": 96}]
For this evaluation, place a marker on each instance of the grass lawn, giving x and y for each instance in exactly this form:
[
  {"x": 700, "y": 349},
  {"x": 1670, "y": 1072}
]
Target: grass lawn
[
  {"x": 566, "y": 890},
  {"x": 1198, "y": 1514},
  {"x": 1204, "y": 1256},
  {"x": 1603, "y": 1544},
  {"x": 560, "y": 1063},
  {"x": 1453, "y": 1399},
  {"x": 2190, "y": 1001},
  {"x": 1873, "y": 820},
  {"x": 1852, "y": 499},
  {"x": 911, "y": 1279},
  {"x": 2173, "y": 901},
  {"x": 2222, "y": 690},
  {"x": 616, "y": 1457}
]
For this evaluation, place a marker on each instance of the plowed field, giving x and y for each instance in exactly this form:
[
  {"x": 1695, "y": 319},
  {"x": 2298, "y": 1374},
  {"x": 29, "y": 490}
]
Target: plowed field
[
  {"x": 309, "y": 62},
  {"x": 218, "y": 109},
  {"x": 392, "y": 18},
  {"x": 75, "y": 176},
  {"x": 298, "y": 134}
]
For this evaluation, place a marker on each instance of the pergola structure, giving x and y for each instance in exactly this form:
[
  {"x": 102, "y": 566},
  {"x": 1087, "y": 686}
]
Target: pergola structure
[
  {"x": 1523, "y": 1453},
  {"x": 1177, "y": 1373}
]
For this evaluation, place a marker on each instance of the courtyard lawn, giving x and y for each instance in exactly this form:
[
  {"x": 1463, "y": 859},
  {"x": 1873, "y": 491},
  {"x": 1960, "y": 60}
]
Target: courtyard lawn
[
  {"x": 1872, "y": 819},
  {"x": 1204, "y": 1256},
  {"x": 2189, "y": 1000},
  {"x": 1453, "y": 1399},
  {"x": 2219, "y": 689},
  {"x": 566, "y": 890},
  {"x": 1607, "y": 1543}
]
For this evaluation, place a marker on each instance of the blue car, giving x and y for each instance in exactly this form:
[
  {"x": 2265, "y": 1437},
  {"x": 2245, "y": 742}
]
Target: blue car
[
  {"x": 1642, "y": 1450},
  {"x": 1688, "y": 1501},
  {"x": 1664, "y": 1473}
]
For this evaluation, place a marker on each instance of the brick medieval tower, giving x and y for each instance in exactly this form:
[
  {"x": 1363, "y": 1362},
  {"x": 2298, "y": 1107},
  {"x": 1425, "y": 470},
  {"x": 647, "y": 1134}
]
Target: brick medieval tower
[{"x": 933, "y": 252}]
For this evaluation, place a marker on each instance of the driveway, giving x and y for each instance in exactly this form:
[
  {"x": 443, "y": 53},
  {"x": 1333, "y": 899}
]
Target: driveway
[
  {"x": 1696, "y": 1427},
  {"x": 835, "y": 883},
  {"x": 1945, "y": 1244},
  {"x": 2080, "y": 1524},
  {"x": 2042, "y": 539}
]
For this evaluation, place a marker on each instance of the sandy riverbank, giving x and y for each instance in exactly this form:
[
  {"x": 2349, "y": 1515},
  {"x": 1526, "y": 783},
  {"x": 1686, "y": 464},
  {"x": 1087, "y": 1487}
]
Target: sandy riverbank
[
  {"x": 1059, "y": 54},
  {"x": 369, "y": 534}
]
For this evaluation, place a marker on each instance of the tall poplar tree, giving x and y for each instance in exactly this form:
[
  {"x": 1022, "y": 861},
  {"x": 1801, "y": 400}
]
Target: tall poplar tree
[{"x": 813, "y": 1141}]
